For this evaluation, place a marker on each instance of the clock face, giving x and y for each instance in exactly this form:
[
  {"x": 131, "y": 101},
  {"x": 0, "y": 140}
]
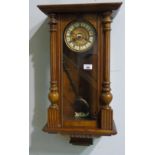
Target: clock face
[{"x": 79, "y": 36}]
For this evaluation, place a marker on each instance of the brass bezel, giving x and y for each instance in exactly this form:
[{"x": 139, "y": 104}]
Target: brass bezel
[{"x": 90, "y": 25}]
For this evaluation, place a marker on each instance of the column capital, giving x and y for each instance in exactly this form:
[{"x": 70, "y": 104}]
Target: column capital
[
  {"x": 107, "y": 19},
  {"x": 53, "y": 22}
]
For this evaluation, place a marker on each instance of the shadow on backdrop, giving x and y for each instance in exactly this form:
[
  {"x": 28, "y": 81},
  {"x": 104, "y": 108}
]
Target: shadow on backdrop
[{"x": 43, "y": 143}]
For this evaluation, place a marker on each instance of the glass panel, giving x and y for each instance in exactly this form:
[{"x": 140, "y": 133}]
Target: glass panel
[{"x": 80, "y": 83}]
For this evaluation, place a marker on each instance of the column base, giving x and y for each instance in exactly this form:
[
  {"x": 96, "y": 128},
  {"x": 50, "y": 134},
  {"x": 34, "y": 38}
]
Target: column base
[
  {"x": 53, "y": 117},
  {"x": 106, "y": 119}
]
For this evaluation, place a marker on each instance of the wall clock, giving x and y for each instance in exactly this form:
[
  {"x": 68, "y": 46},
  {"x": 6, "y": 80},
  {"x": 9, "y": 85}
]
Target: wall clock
[{"x": 80, "y": 92}]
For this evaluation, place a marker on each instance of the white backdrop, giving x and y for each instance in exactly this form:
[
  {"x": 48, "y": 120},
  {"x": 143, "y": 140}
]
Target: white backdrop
[{"x": 53, "y": 144}]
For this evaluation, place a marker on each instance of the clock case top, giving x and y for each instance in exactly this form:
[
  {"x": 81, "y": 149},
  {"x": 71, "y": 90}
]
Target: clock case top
[
  {"x": 65, "y": 14},
  {"x": 83, "y": 8}
]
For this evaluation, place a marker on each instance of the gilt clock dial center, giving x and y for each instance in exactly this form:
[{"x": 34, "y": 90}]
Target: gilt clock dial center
[{"x": 79, "y": 36}]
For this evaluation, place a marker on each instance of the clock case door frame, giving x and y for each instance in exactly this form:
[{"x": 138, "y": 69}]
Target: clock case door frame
[{"x": 88, "y": 76}]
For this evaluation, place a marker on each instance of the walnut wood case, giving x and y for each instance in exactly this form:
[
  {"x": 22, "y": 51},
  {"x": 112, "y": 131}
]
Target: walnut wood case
[{"x": 93, "y": 85}]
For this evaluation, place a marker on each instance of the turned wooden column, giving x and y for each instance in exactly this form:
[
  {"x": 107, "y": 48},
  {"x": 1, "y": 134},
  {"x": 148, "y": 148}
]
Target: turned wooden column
[
  {"x": 53, "y": 111},
  {"x": 106, "y": 96}
]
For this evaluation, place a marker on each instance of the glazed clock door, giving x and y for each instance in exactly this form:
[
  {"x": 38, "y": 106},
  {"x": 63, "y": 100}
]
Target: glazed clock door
[{"x": 80, "y": 68}]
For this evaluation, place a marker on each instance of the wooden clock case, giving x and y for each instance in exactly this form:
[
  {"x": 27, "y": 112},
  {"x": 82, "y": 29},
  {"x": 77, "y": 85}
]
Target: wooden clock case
[{"x": 97, "y": 91}]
